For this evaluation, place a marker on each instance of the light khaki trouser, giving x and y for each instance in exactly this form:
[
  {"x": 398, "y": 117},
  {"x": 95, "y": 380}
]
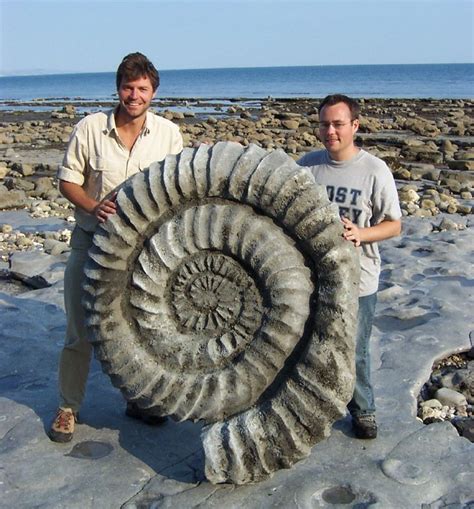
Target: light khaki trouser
[{"x": 76, "y": 354}]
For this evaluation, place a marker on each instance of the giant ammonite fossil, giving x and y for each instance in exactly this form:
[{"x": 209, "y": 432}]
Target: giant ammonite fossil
[{"x": 223, "y": 291}]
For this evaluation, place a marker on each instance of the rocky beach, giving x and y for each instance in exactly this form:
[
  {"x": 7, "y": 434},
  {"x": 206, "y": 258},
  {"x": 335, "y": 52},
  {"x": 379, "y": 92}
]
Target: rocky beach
[
  {"x": 428, "y": 144},
  {"x": 423, "y": 355}
]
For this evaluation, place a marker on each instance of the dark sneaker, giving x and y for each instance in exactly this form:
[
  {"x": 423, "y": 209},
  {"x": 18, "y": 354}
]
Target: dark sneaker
[
  {"x": 364, "y": 426},
  {"x": 62, "y": 427},
  {"x": 146, "y": 416}
]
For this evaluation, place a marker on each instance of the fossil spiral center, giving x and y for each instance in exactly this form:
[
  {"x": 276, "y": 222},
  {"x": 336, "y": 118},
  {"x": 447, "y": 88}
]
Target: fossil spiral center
[
  {"x": 211, "y": 291},
  {"x": 204, "y": 291}
]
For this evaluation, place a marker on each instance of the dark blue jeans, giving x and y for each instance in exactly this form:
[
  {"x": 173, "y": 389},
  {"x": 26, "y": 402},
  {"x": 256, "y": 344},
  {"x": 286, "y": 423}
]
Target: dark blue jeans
[{"x": 362, "y": 401}]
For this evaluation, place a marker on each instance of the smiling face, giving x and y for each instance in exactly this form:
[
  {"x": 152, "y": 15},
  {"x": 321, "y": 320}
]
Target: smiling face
[
  {"x": 337, "y": 130},
  {"x": 135, "y": 97}
]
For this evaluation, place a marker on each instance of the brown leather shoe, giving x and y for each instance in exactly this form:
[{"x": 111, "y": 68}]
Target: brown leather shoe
[
  {"x": 364, "y": 426},
  {"x": 62, "y": 427},
  {"x": 135, "y": 412}
]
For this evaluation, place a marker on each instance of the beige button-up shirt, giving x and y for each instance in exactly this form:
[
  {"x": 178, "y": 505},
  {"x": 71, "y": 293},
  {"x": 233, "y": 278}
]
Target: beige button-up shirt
[{"x": 97, "y": 160}]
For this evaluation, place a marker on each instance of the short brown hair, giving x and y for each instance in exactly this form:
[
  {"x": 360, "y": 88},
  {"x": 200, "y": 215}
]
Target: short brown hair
[
  {"x": 333, "y": 99},
  {"x": 134, "y": 66}
]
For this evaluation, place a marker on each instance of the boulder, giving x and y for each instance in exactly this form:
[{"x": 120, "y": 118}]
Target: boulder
[
  {"x": 290, "y": 124},
  {"x": 24, "y": 169},
  {"x": 461, "y": 165},
  {"x": 42, "y": 186},
  {"x": 13, "y": 199},
  {"x": 421, "y": 126}
]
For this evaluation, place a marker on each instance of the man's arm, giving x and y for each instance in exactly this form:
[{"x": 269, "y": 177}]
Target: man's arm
[
  {"x": 387, "y": 229},
  {"x": 77, "y": 196}
]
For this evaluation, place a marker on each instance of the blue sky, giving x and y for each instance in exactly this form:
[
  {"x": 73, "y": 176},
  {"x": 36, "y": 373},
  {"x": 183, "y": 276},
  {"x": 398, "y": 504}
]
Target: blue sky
[{"x": 81, "y": 36}]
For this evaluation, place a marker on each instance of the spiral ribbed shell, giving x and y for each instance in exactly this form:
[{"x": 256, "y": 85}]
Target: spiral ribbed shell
[{"x": 222, "y": 290}]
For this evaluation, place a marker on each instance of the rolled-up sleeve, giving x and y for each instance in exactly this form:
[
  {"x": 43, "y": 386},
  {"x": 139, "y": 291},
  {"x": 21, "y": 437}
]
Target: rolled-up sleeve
[{"x": 74, "y": 162}]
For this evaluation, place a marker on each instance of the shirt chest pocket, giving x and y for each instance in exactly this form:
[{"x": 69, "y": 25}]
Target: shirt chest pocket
[
  {"x": 98, "y": 164},
  {"x": 102, "y": 177}
]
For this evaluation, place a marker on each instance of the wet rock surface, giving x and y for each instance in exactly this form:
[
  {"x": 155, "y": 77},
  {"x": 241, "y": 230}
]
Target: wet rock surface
[{"x": 423, "y": 314}]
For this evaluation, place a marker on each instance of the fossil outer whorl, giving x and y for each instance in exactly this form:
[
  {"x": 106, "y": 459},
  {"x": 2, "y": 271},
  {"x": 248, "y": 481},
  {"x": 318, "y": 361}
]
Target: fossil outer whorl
[{"x": 222, "y": 290}]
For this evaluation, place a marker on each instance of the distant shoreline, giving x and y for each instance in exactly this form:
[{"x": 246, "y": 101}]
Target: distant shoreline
[
  {"x": 190, "y": 110},
  {"x": 214, "y": 105}
]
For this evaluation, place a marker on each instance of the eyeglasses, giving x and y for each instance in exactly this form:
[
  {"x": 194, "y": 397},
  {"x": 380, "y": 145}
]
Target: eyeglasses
[{"x": 336, "y": 125}]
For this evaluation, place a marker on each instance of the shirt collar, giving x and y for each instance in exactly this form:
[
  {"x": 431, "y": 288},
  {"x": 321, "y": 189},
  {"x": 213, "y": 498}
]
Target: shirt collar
[{"x": 111, "y": 127}]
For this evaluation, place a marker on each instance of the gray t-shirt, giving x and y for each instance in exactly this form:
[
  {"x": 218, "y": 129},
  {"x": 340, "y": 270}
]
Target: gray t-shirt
[{"x": 364, "y": 189}]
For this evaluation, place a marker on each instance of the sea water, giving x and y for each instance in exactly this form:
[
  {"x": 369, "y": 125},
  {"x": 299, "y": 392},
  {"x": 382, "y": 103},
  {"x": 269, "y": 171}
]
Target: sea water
[{"x": 435, "y": 81}]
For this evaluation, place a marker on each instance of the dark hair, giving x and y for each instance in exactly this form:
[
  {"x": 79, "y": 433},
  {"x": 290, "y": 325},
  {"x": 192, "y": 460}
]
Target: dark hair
[
  {"x": 133, "y": 67},
  {"x": 333, "y": 99}
]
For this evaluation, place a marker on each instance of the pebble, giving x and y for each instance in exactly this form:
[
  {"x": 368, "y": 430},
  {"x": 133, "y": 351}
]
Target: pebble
[
  {"x": 431, "y": 403},
  {"x": 7, "y": 228},
  {"x": 450, "y": 397},
  {"x": 55, "y": 247}
]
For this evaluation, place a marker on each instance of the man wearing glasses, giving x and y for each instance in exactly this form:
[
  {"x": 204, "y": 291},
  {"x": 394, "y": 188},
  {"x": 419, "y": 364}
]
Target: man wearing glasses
[{"x": 364, "y": 189}]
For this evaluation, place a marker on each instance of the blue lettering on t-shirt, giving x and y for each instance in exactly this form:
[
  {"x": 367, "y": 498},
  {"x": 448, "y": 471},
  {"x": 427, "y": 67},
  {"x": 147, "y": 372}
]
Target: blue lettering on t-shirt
[
  {"x": 342, "y": 194},
  {"x": 355, "y": 215},
  {"x": 355, "y": 193},
  {"x": 345, "y": 212}
]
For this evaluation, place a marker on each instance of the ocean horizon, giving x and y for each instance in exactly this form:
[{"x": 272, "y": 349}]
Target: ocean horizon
[
  {"x": 436, "y": 81},
  {"x": 40, "y": 72}
]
